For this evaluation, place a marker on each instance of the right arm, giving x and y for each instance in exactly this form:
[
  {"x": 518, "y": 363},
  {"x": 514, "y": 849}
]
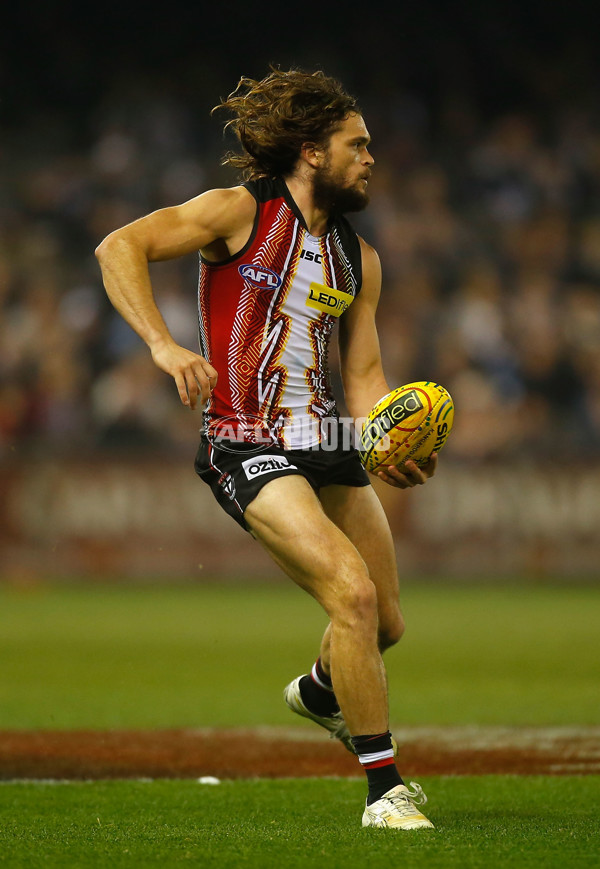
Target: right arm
[
  {"x": 219, "y": 221},
  {"x": 362, "y": 369}
]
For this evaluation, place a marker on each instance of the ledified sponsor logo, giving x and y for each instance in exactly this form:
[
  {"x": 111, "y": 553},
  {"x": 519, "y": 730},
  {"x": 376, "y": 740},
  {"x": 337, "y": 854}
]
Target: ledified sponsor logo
[
  {"x": 328, "y": 299},
  {"x": 399, "y": 410}
]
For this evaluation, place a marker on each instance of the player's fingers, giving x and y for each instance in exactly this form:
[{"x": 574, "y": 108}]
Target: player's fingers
[
  {"x": 393, "y": 477},
  {"x": 206, "y": 379},
  {"x": 211, "y": 373},
  {"x": 414, "y": 473},
  {"x": 193, "y": 387},
  {"x": 181, "y": 384},
  {"x": 431, "y": 466}
]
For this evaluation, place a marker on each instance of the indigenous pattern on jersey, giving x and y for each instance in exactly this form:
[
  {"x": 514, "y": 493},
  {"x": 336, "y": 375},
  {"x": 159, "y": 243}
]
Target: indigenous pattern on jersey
[{"x": 265, "y": 320}]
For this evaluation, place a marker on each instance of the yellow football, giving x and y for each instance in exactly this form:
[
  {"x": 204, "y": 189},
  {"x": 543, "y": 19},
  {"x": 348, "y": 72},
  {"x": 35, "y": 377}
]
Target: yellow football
[{"x": 411, "y": 422}]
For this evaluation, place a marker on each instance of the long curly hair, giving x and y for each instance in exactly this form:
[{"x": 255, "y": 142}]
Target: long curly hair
[{"x": 274, "y": 117}]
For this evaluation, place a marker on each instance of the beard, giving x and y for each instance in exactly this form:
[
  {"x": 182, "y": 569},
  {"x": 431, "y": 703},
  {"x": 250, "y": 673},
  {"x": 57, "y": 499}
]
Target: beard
[{"x": 331, "y": 194}]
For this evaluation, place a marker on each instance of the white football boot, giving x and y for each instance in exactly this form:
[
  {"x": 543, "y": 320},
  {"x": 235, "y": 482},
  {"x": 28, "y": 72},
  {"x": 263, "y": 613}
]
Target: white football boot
[
  {"x": 335, "y": 723},
  {"x": 397, "y": 810}
]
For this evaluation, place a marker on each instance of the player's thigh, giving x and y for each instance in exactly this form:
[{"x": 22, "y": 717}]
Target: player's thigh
[
  {"x": 358, "y": 513},
  {"x": 287, "y": 518}
]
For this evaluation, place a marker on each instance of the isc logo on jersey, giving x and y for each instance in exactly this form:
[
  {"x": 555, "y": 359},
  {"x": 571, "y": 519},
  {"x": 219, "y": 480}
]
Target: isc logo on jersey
[
  {"x": 260, "y": 276},
  {"x": 266, "y": 464}
]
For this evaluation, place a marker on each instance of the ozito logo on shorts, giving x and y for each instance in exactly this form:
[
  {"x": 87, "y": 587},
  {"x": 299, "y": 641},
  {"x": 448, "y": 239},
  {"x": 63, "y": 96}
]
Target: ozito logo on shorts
[
  {"x": 259, "y": 276},
  {"x": 266, "y": 464}
]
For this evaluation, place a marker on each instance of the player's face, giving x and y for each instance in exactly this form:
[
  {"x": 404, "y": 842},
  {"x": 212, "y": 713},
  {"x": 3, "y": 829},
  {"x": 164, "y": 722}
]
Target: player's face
[{"x": 341, "y": 181}]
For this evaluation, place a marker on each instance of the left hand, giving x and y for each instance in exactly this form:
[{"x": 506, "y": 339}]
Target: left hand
[{"x": 409, "y": 474}]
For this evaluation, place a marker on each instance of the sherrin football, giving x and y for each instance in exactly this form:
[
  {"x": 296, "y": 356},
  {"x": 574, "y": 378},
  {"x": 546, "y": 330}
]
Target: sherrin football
[{"x": 411, "y": 422}]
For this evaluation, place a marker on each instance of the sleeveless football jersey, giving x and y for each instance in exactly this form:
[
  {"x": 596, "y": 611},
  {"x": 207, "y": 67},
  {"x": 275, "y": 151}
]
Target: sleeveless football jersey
[{"x": 265, "y": 320}]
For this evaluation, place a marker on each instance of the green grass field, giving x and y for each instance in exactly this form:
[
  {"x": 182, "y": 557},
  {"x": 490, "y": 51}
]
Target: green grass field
[
  {"x": 109, "y": 656},
  {"x": 154, "y": 656},
  {"x": 491, "y": 821}
]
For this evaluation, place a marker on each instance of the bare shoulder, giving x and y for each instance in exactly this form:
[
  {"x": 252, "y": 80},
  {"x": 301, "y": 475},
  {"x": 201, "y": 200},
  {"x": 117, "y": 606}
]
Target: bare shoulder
[
  {"x": 228, "y": 208},
  {"x": 370, "y": 257},
  {"x": 218, "y": 221},
  {"x": 224, "y": 218},
  {"x": 371, "y": 269},
  {"x": 238, "y": 197}
]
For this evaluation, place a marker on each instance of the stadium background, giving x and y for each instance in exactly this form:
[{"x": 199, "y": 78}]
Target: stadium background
[
  {"x": 485, "y": 209},
  {"x": 486, "y": 212}
]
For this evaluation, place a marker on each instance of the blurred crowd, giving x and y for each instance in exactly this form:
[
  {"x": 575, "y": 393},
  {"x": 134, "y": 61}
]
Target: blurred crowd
[{"x": 488, "y": 230}]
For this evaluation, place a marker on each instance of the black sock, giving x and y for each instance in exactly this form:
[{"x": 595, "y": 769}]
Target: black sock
[
  {"x": 376, "y": 754},
  {"x": 317, "y": 693}
]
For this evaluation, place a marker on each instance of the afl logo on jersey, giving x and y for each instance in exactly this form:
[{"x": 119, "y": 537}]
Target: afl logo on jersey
[{"x": 260, "y": 277}]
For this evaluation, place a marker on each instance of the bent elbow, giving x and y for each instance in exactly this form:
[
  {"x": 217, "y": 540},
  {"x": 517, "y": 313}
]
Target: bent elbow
[
  {"x": 115, "y": 244},
  {"x": 99, "y": 252},
  {"x": 103, "y": 248}
]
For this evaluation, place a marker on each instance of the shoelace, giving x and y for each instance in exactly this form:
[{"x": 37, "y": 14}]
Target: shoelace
[{"x": 403, "y": 802}]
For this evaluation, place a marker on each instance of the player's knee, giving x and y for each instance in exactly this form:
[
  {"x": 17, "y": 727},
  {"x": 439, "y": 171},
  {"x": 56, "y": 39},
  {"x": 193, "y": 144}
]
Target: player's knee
[
  {"x": 357, "y": 604},
  {"x": 390, "y": 630}
]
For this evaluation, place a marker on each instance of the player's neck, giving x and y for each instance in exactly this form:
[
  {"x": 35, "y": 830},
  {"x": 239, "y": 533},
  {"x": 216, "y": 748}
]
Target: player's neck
[{"x": 316, "y": 219}]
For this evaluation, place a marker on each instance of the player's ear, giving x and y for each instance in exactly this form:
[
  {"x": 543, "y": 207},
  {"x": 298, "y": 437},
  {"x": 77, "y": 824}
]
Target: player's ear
[{"x": 313, "y": 154}]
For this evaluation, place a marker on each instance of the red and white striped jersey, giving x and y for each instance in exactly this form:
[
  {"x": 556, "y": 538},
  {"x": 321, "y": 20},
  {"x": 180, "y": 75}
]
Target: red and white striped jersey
[{"x": 265, "y": 320}]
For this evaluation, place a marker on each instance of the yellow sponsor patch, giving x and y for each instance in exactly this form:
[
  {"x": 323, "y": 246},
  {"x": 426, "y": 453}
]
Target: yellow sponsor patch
[{"x": 328, "y": 300}]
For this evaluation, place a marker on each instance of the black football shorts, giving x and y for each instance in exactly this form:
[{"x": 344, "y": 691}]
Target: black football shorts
[{"x": 236, "y": 472}]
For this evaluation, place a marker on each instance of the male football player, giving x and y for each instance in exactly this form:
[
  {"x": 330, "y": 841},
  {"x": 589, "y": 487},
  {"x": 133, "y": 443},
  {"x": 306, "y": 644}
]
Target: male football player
[{"x": 280, "y": 266}]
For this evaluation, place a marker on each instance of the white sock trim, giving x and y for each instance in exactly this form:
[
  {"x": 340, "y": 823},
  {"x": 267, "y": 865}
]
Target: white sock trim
[
  {"x": 320, "y": 683},
  {"x": 376, "y": 756}
]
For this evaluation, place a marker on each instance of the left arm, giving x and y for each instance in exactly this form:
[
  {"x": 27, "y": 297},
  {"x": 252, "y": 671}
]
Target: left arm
[{"x": 361, "y": 367}]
